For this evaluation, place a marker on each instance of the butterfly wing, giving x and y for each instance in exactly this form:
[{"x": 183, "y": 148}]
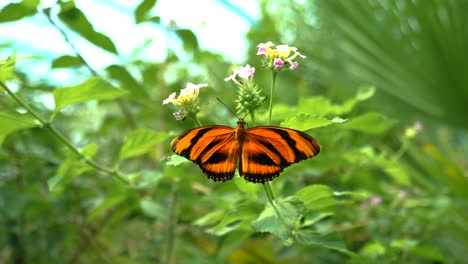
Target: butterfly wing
[
  {"x": 213, "y": 148},
  {"x": 267, "y": 150}
]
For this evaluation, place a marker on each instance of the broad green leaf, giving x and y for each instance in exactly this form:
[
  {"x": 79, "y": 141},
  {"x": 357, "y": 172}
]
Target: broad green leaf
[
  {"x": 303, "y": 121},
  {"x": 92, "y": 89},
  {"x": 317, "y": 197},
  {"x": 281, "y": 221},
  {"x": 17, "y": 11},
  {"x": 12, "y": 121},
  {"x": 7, "y": 68},
  {"x": 77, "y": 21},
  {"x": 141, "y": 141},
  {"x": 314, "y": 218},
  {"x": 151, "y": 208},
  {"x": 66, "y": 61},
  {"x": 365, "y": 93},
  {"x": 330, "y": 241},
  {"x": 370, "y": 123},
  {"x": 127, "y": 82},
  {"x": 175, "y": 160},
  {"x": 188, "y": 38},
  {"x": 373, "y": 249},
  {"x": 236, "y": 216},
  {"x": 142, "y": 12}
]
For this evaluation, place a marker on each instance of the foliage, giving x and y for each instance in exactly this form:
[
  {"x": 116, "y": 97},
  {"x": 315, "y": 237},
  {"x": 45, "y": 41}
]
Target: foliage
[{"x": 92, "y": 178}]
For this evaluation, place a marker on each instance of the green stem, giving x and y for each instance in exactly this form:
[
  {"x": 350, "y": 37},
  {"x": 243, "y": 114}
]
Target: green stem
[
  {"x": 267, "y": 185},
  {"x": 62, "y": 138},
  {"x": 401, "y": 151},
  {"x": 272, "y": 91},
  {"x": 196, "y": 120}
]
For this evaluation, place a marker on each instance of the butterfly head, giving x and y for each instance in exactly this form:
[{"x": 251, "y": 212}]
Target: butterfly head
[{"x": 241, "y": 123}]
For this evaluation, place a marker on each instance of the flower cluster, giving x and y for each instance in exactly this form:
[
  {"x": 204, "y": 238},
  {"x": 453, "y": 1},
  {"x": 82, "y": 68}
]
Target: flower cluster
[
  {"x": 186, "y": 102},
  {"x": 249, "y": 95},
  {"x": 280, "y": 58}
]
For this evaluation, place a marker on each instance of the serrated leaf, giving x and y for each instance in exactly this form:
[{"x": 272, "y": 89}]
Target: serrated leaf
[
  {"x": 140, "y": 141},
  {"x": 303, "y": 121},
  {"x": 127, "y": 82},
  {"x": 188, "y": 38},
  {"x": 71, "y": 16},
  {"x": 12, "y": 121},
  {"x": 329, "y": 241},
  {"x": 142, "y": 11},
  {"x": 92, "y": 89},
  {"x": 66, "y": 61},
  {"x": 279, "y": 222},
  {"x": 17, "y": 11},
  {"x": 370, "y": 123},
  {"x": 317, "y": 197},
  {"x": 174, "y": 160}
]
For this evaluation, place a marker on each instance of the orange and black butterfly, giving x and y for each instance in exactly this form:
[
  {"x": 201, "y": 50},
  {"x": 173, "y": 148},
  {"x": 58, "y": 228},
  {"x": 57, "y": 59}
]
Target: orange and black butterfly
[{"x": 260, "y": 153}]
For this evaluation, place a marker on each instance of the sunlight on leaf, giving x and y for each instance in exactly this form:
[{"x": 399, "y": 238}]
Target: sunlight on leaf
[
  {"x": 175, "y": 160},
  {"x": 317, "y": 197}
]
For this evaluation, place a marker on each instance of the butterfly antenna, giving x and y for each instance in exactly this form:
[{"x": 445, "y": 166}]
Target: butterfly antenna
[{"x": 230, "y": 110}]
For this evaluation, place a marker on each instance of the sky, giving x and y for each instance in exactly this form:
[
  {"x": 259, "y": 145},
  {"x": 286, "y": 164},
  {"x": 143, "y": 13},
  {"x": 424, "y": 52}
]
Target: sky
[{"x": 220, "y": 26}]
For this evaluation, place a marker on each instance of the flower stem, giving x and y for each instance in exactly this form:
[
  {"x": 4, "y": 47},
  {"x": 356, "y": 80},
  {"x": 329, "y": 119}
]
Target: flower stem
[
  {"x": 272, "y": 91},
  {"x": 267, "y": 185},
  {"x": 61, "y": 137}
]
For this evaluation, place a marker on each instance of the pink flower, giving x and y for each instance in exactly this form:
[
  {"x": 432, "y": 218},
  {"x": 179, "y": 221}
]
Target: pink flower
[
  {"x": 294, "y": 65},
  {"x": 278, "y": 63},
  {"x": 263, "y": 48},
  {"x": 244, "y": 74}
]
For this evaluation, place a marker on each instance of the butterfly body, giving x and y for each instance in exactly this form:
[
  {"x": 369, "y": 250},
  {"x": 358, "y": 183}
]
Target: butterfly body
[{"x": 259, "y": 153}]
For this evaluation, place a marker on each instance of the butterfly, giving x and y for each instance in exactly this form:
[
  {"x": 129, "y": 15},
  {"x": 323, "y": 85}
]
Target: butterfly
[{"x": 260, "y": 153}]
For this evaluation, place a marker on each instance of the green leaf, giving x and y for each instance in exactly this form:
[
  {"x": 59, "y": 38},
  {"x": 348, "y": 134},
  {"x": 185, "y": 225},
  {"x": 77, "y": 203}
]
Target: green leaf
[
  {"x": 150, "y": 208},
  {"x": 77, "y": 21},
  {"x": 365, "y": 93},
  {"x": 175, "y": 160},
  {"x": 141, "y": 141},
  {"x": 12, "y": 121},
  {"x": 235, "y": 217},
  {"x": 17, "y": 11},
  {"x": 92, "y": 89},
  {"x": 317, "y": 197},
  {"x": 303, "y": 121},
  {"x": 330, "y": 241},
  {"x": 142, "y": 11},
  {"x": 69, "y": 169},
  {"x": 127, "y": 82},
  {"x": 188, "y": 38},
  {"x": 90, "y": 150},
  {"x": 210, "y": 218},
  {"x": 279, "y": 222},
  {"x": 7, "y": 68},
  {"x": 66, "y": 61},
  {"x": 370, "y": 123},
  {"x": 106, "y": 204}
]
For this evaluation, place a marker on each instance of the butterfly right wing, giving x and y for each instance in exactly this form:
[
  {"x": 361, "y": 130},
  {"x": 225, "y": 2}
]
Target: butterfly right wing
[{"x": 213, "y": 148}]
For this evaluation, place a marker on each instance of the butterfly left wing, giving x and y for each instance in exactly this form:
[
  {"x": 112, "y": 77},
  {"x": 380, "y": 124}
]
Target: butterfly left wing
[
  {"x": 213, "y": 148},
  {"x": 267, "y": 150}
]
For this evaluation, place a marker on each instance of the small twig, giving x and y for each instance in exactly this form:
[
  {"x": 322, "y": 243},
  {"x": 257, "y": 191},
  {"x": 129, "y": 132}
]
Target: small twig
[{"x": 62, "y": 138}]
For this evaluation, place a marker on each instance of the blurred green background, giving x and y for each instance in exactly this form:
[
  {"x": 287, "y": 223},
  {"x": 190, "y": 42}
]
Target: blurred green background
[{"x": 92, "y": 179}]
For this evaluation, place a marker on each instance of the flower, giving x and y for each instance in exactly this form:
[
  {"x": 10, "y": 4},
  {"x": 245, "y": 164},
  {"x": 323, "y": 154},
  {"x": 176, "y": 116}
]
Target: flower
[
  {"x": 186, "y": 102},
  {"x": 249, "y": 94},
  {"x": 412, "y": 131},
  {"x": 279, "y": 58},
  {"x": 244, "y": 74}
]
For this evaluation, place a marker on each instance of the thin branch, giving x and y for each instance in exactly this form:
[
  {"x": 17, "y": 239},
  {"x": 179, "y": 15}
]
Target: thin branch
[{"x": 62, "y": 138}]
